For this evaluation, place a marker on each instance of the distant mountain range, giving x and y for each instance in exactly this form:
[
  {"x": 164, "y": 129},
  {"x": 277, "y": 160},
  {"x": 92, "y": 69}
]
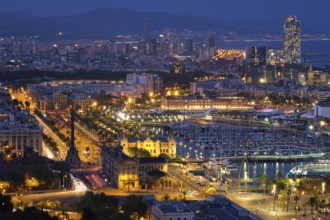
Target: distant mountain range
[{"x": 108, "y": 22}]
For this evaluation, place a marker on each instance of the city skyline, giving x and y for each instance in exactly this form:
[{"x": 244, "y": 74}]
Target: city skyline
[{"x": 164, "y": 110}]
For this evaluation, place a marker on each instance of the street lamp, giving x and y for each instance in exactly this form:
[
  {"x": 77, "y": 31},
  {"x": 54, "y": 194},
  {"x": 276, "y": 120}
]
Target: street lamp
[
  {"x": 323, "y": 189},
  {"x": 180, "y": 149},
  {"x": 64, "y": 181},
  {"x": 246, "y": 180},
  {"x": 274, "y": 190}
]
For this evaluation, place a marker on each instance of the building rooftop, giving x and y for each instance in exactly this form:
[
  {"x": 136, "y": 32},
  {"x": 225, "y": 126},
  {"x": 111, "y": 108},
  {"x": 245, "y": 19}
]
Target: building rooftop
[
  {"x": 323, "y": 105},
  {"x": 172, "y": 207},
  {"x": 153, "y": 160},
  {"x": 133, "y": 140},
  {"x": 156, "y": 174}
]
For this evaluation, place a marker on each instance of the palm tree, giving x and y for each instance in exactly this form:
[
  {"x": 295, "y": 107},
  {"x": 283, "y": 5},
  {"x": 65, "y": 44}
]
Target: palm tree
[
  {"x": 147, "y": 182},
  {"x": 296, "y": 199},
  {"x": 155, "y": 183},
  {"x": 301, "y": 186},
  {"x": 166, "y": 197},
  {"x": 184, "y": 193},
  {"x": 288, "y": 199},
  {"x": 313, "y": 201},
  {"x": 283, "y": 198},
  {"x": 263, "y": 180},
  {"x": 27, "y": 104}
]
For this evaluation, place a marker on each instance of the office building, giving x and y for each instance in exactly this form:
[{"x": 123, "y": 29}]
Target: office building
[
  {"x": 150, "y": 82},
  {"x": 158, "y": 83},
  {"x": 322, "y": 110},
  {"x": 292, "y": 41},
  {"x": 323, "y": 95},
  {"x": 256, "y": 55}
]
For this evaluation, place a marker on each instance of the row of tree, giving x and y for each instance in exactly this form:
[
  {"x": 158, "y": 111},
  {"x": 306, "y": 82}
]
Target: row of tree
[
  {"x": 98, "y": 206},
  {"x": 28, "y": 213},
  {"x": 52, "y": 125},
  {"x": 286, "y": 189},
  {"x": 50, "y": 142}
]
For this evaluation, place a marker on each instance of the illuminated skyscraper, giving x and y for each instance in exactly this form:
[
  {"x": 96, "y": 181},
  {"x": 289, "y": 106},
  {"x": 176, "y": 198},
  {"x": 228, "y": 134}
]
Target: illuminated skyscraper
[{"x": 292, "y": 43}]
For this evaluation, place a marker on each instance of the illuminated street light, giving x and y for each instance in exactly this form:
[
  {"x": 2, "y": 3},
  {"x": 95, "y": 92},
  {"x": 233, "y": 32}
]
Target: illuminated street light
[
  {"x": 180, "y": 149},
  {"x": 246, "y": 180},
  {"x": 274, "y": 191}
]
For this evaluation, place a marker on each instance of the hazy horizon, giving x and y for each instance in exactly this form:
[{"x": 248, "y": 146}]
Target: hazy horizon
[{"x": 316, "y": 17}]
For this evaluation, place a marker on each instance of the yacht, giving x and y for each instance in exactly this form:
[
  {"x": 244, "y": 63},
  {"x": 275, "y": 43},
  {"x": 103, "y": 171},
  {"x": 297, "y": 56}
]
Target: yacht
[{"x": 321, "y": 168}]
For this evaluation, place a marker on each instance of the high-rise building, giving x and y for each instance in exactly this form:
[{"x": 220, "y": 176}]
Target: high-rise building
[
  {"x": 158, "y": 83},
  {"x": 292, "y": 42},
  {"x": 211, "y": 41},
  {"x": 150, "y": 82},
  {"x": 256, "y": 55},
  {"x": 146, "y": 79}
]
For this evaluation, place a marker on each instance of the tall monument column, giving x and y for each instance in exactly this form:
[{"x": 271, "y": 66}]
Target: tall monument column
[{"x": 72, "y": 157}]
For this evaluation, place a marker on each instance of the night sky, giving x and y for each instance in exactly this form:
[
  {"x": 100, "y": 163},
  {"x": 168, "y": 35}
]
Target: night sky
[{"x": 313, "y": 13}]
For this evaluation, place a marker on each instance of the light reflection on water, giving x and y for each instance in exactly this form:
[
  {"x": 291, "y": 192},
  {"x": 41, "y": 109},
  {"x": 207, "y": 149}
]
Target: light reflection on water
[
  {"x": 269, "y": 169},
  {"x": 253, "y": 169}
]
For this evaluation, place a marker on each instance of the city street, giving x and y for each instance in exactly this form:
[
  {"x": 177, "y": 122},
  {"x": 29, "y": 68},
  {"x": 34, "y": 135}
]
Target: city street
[{"x": 262, "y": 205}]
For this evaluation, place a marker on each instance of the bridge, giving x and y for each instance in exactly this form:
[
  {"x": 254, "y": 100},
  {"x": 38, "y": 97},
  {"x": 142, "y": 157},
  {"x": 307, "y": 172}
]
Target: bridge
[
  {"x": 270, "y": 158},
  {"x": 271, "y": 153}
]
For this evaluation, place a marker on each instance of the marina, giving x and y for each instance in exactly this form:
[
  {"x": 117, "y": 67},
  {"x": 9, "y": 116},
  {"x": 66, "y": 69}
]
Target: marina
[{"x": 321, "y": 168}]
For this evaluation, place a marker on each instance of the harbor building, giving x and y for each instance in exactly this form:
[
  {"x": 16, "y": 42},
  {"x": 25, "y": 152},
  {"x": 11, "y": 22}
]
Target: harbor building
[{"x": 155, "y": 146}]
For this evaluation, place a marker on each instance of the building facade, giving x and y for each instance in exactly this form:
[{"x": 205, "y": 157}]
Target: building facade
[
  {"x": 150, "y": 82},
  {"x": 194, "y": 103},
  {"x": 18, "y": 135},
  {"x": 155, "y": 146},
  {"x": 171, "y": 211},
  {"x": 134, "y": 173},
  {"x": 122, "y": 170},
  {"x": 256, "y": 55},
  {"x": 60, "y": 101},
  {"x": 322, "y": 110},
  {"x": 292, "y": 41}
]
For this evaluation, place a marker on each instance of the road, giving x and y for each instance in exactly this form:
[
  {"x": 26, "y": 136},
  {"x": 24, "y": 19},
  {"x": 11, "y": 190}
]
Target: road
[
  {"x": 60, "y": 144},
  {"x": 82, "y": 141},
  {"x": 48, "y": 153},
  {"x": 193, "y": 191},
  {"x": 73, "y": 195},
  {"x": 22, "y": 96}
]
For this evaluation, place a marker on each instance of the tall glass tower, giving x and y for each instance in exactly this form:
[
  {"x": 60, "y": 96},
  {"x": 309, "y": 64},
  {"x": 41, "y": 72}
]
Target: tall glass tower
[{"x": 292, "y": 42}]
